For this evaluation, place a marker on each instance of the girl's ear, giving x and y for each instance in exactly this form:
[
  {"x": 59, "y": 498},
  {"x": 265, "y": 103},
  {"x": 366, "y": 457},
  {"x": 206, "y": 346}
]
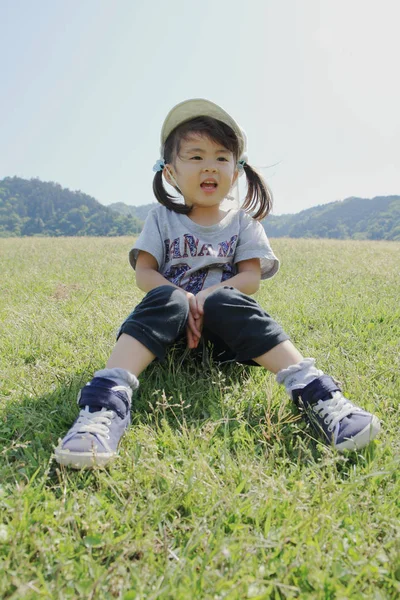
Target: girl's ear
[
  {"x": 168, "y": 172},
  {"x": 170, "y": 176},
  {"x": 235, "y": 176}
]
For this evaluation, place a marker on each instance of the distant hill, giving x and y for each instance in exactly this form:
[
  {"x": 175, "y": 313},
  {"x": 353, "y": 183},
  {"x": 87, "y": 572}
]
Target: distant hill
[
  {"x": 140, "y": 212},
  {"x": 354, "y": 218},
  {"x": 34, "y": 207}
]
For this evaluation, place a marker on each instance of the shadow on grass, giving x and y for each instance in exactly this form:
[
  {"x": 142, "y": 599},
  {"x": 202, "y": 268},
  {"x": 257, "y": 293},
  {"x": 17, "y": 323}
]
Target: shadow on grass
[{"x": 182, "y": 394}]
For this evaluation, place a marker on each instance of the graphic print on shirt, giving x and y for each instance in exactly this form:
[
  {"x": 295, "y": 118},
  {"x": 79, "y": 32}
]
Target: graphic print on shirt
[
  {"x": 196, "y": 281},
  {"x": 176, "y": 273},
  {"x": 228, "y": 271},
  {"x": 188, "y": 245}
]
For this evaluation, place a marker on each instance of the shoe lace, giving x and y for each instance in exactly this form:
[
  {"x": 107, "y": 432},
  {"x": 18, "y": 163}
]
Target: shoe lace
[
  {"x": 334, "y": 409},
  {"x": 94, "y": 422}
]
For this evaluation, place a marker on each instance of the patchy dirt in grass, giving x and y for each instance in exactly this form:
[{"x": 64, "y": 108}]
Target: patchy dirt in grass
[{"x": 63, "y": 291}]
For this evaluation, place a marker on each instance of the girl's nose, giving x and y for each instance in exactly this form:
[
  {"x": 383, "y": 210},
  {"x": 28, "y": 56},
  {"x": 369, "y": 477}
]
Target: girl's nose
[{"x": 212, "y": 169}]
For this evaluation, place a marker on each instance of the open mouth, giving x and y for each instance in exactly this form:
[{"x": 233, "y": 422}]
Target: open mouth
[{"x": 208, "y": 185}]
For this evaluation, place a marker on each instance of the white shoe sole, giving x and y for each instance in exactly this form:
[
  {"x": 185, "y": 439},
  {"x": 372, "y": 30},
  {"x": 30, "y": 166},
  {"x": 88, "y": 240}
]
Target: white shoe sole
[
  {"x": 83, "y": 460},
  {"x": 363, "y": 438}
]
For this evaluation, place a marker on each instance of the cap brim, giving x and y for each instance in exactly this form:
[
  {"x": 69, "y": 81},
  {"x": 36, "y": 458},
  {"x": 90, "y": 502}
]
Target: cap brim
[{"x": 199, "y": 107}]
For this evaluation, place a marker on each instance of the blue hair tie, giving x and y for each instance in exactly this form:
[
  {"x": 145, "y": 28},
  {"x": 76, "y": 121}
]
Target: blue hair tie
[
  {"x": 159, "y": 166},
  {"x": 240, "y": 165}
]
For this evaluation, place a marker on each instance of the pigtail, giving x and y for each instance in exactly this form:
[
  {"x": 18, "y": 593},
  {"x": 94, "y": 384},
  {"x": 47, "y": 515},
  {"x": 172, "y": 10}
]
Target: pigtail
[
  {"x": 259, "y": 196},
  {"x": 166, "y": 199}
]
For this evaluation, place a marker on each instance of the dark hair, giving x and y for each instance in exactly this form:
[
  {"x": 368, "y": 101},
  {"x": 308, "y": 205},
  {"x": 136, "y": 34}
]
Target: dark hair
[{"x": 258, "y": 198}]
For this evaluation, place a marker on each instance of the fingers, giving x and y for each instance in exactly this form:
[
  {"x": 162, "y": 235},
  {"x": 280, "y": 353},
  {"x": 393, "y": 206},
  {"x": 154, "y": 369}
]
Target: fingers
[
  {"x": 193, "y": 325},
  {"x": 192, "y": 340},
  {"x": 199, "y": 323},
  {"x": 201, "y": 298},
  {"x": 193, "y": 306},
  {"x": 194, "y": 322},
  {"x": 200, "y": 305}
]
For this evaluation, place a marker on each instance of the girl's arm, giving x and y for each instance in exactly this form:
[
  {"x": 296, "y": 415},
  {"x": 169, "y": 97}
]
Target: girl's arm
[
  {"x": 248, "y": 277},
  {"x": 147, "y": 275}
]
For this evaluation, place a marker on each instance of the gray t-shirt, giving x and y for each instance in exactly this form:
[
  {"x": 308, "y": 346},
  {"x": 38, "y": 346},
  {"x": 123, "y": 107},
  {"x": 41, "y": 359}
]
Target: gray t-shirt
[{"x": 195, "y": 257}]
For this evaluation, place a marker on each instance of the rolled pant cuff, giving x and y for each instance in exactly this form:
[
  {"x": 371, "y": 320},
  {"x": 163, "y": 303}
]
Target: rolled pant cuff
[
  {"x": 142, "y": 337},
  {"x": 266, "y": 345}
]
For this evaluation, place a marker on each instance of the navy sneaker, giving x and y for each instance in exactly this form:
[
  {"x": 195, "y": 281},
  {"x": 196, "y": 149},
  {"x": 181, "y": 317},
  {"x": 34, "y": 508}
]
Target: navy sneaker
[
  {"x": 93, "y": 438},
  {"x": 335, "y": 419}
]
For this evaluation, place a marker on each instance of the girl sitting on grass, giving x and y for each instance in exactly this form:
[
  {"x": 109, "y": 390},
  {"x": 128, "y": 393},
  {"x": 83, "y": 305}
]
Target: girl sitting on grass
[{"x": 199, "y": 266}]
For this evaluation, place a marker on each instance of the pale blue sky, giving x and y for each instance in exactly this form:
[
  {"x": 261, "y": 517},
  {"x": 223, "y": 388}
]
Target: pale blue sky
[{"x": 86, "y": 84}]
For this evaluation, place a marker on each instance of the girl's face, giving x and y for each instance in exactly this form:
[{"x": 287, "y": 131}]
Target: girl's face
[{"x": 203, "y": 170}]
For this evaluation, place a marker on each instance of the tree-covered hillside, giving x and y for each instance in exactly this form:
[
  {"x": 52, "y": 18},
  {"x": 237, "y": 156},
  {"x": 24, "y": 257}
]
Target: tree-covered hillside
[
  {"x": 354, "y": 218},
  {"x": 34, "y": 207},
  {"x": 140, "y": 212}
]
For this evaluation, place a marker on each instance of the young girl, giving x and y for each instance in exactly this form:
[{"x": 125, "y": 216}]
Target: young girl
[{"x": 199, "y": 266}]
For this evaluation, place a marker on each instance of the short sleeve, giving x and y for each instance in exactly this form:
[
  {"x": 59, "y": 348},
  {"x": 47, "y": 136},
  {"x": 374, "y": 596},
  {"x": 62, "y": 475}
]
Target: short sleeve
[
  {"x": 253, "y": 243},
  {"x": 150, "y": 240}
]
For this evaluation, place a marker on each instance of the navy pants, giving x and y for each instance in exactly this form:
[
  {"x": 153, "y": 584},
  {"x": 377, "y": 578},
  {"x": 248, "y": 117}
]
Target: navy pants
[{"x": 235, "y": 324}]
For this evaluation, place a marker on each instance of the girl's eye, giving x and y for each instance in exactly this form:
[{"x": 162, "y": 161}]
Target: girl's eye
[{"x": 220, "y": 158}]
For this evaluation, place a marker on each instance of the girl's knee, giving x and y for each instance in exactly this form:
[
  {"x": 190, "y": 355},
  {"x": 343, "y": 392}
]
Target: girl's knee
[
  {"x": 221, "y": 296},
  {"x": 162, "y": 303},
  {"x": 226, "y": 304},
  {"x": 178, "y": 301},
  {"x": 218, "y": 300},
  {"x": 169, "y": 298}
]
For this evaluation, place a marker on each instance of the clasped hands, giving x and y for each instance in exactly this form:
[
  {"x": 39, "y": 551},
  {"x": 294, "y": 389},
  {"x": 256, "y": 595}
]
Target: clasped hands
[{"x": 194, "y": 324}]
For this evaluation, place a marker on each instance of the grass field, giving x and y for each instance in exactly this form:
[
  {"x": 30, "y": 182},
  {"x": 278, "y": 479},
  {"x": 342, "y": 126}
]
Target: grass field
[{"x": 219, "y": 491}]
